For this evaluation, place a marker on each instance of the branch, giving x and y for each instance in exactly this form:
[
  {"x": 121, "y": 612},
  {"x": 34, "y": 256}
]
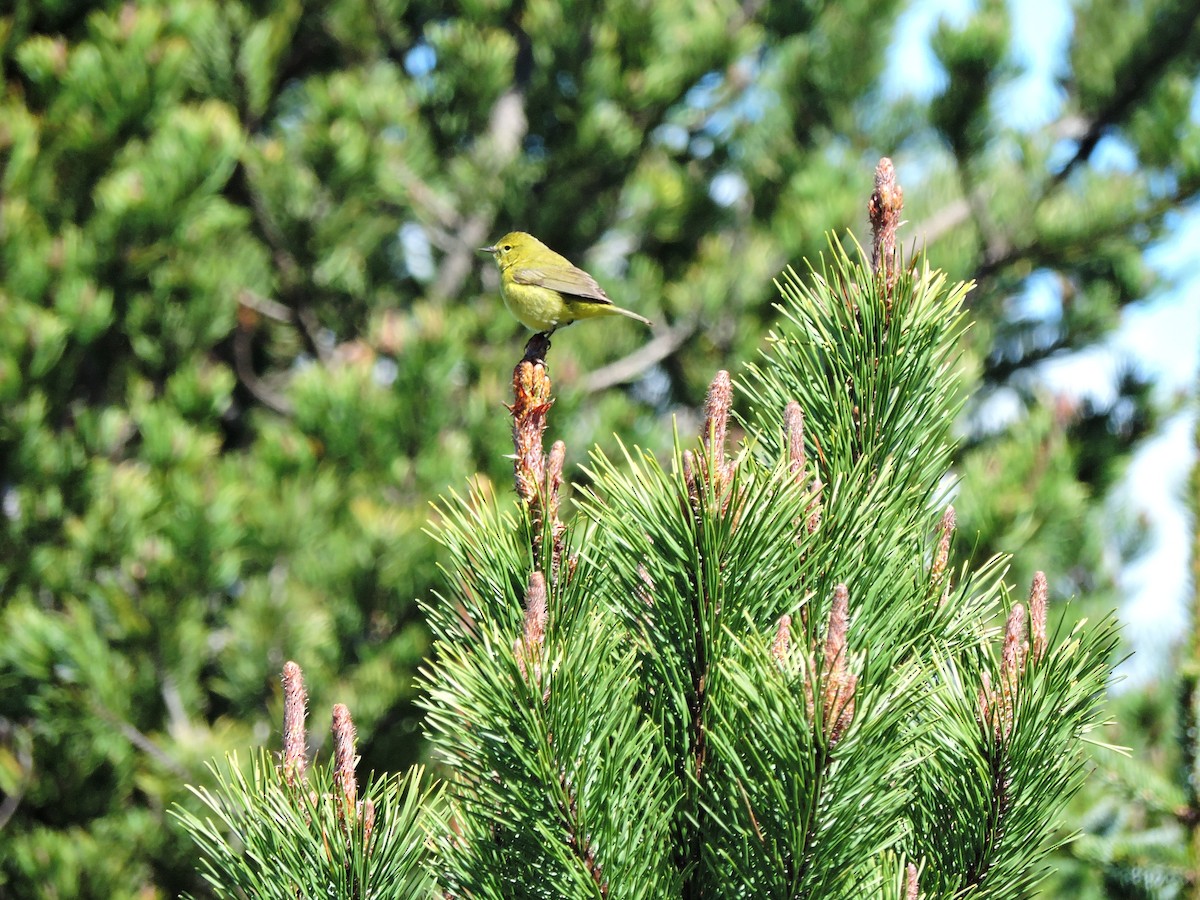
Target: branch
[
  {"x": 427, "y": 200},
  {"x": 1160, "y": 46},
  {"x": 291, "y": 272},
  {"x": 280, "y": 312},
  {"x": 933, "y": 226},
  {"x": 285, "y": 261},
  {"x": 995, "y": 245},
  {"x": 1038, "y": 251},
  {"x": 999, "y": 371},
  {"x": 141, "y": 741},
  {"x": 243, "y": 365},
  {"x": 265, "y": 306},
  {"x": 662, "y": 345},
  {"x": 501, "y": 145}
]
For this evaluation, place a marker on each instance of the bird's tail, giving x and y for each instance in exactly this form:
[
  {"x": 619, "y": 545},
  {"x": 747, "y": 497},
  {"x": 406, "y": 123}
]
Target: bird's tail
[{"x": 630, "y": 314}]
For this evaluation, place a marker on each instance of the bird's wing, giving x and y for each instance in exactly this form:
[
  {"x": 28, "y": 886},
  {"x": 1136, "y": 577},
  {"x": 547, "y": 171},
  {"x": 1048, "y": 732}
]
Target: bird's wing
[{"x": 568, "y": 279}]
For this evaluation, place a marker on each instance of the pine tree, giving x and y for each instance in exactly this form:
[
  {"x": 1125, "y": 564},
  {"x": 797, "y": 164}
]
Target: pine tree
[{"x": 751, "y": 672}]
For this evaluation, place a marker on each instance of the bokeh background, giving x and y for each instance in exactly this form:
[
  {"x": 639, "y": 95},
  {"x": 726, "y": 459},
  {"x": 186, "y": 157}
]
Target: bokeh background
[{"x": 246, "y": 337}]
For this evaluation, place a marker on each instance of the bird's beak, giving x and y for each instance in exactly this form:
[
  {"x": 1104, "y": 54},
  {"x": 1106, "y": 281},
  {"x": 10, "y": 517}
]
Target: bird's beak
[{"x": 487, "y": 249}]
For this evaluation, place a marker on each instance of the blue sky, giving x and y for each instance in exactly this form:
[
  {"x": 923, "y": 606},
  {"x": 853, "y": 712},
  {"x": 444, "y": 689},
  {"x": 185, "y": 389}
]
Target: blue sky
[{"x": 1160, "y": 335}]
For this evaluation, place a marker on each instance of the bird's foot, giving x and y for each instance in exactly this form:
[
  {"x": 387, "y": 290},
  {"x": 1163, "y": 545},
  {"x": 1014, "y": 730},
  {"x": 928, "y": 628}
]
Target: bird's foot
[{"x": 537, "y": 347}]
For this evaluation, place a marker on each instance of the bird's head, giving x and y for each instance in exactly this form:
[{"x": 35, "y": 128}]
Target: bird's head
[{"x": 509, "y": 248}]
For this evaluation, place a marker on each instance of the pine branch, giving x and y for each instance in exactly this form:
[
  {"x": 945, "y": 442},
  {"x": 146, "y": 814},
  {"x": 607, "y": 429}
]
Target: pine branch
[
  {"x": 1172, "y": 35},
  {"x": 663, "y": 344},
  {"x": 305, "y": 831}
]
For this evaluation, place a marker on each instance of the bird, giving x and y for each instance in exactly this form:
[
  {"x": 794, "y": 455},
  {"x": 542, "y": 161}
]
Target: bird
[{"x": 544, "y": 290}]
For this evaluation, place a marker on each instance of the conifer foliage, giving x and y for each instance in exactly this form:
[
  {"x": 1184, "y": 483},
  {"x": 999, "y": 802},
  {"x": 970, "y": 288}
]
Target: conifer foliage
[
  {"x": 750, "y": 671},
  {"x": 296, "y": 830},
  {"x": 246, "y": 334}
]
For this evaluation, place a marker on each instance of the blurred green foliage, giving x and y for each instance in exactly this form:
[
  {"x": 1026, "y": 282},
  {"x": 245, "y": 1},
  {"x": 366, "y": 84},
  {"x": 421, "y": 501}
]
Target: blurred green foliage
[{"x": 246, "y": 336}]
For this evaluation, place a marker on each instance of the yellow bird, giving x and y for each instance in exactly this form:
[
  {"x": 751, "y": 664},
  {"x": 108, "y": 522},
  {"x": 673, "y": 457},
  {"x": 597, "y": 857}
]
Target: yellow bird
[{"x": 543, "y": 289}]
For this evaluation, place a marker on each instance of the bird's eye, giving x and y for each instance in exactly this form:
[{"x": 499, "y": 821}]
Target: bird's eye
[{"x": 506, "y": 247}]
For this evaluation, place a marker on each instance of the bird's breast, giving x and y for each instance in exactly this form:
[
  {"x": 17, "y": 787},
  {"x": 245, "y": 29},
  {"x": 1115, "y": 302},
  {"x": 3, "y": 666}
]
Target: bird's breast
[{"x": 537, "y": 308}]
